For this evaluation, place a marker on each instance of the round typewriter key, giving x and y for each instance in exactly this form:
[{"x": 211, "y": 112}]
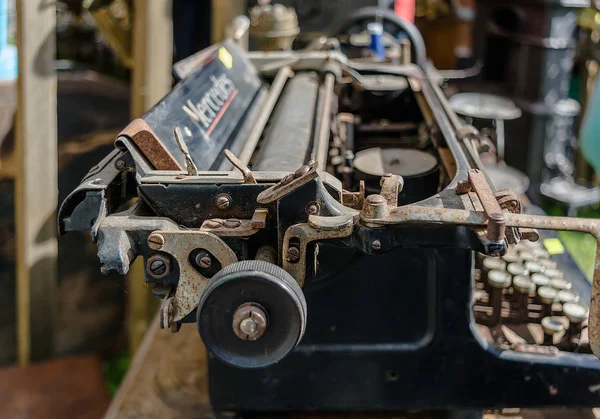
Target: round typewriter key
[
  {"x": 533, "y": 267},
  {"x": 540, "y": 253},
  {"x": 547, "y": 263},
  {"x": 576, "y": 312},
  {"x": 493, "y": 264},
  {"x": 567, "y": 296},
  {"x": 527, "y": 256},
  {"x": 523, "y": 285},
  {"x": 553, "y": 273},
  {"x": 546, "y": 294},
  {"x": 560, "y": 284},
  {"x": 532, "y": 245},
  {"x": 552, "y": 327},
  {"x": 511, "y": 256},
  {"x": 516, "y": 269},
  {"x": 540, "y": 280},
  {"x": 521, "y": 246},
  {"x": 498, "y": 279}
]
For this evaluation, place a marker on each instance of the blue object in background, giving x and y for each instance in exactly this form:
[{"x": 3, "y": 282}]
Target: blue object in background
[
  {"x": 376, "y": 31},
  {"x": 8, "y": 53}
]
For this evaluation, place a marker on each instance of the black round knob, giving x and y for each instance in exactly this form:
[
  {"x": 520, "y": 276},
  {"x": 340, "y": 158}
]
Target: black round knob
[{"x": 252, "y": 314}]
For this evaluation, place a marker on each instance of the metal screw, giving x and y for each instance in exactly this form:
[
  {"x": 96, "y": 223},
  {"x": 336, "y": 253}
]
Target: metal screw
[
  {"x": 223, "y": 201},
  {"x": 203, "y": 260},
  {"x": 120, "y": 164},
  {"x": 293, "y": 254},
  {"x": 249, "y": 321},
  {"x": 376, "y": 245},
  {"x": 301, "y": 171},
  {"x": 158, "y": 266},
  {"x": 312, "y": 208},
  {"x": 232, "y": 223},
  {"x": 376, "y": 199},
  {"x": 214, "y": 223},
  {"x": 248, "y": 326},
  {"x": 156, "y": 241}
]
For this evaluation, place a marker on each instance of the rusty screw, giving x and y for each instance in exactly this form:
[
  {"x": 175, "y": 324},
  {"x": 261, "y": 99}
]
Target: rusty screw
[
  {"x": 312, "y": 208},
  {"x": 223, "y": 201},
  {"x": 376, "y": 245},
  {"x": 293, "y": 254},
  {"x": 156, "y": 241},
  {"x": 157, "y": 266},
  {"x": 214, "y": 223},
  {"x": 203, "y": 260},
  {"x": 232, "y": 223},
  {"x": 120, "y": 164}
]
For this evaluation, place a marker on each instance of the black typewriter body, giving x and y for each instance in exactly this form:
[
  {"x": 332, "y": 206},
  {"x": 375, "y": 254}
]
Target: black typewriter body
[{"x": 323, "y": 219}]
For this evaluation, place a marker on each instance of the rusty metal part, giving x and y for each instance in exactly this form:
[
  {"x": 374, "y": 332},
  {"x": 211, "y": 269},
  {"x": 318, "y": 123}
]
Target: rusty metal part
[
  {"x": 259, "y": 218},
  {"x": 530, "y": 234},
  {"x": 166, "y": 310},
  {"x": 495, "y": 224},
  {"x": 233, "y": 227},
  {"x": 192, "y": 170},
  {"x": 508, "y": 200},
  {"x": 212, "y": 223},
  {"x": 232, "y": 223},
  {"x": 317, "y": 228},
  {"x": 155, "y": 241},
  {"x": 158, "y": 266},
  {"x": 375, "y": 206},
  {"x": 179, "y": 244},
  {"x": 204, "y": 260},
  {"x": 391, "y": 186},
  {"x": 354, "y": 200},
  {"x": 293, "y": 254},
  {"x": 312, "y": 208},
  {"x": 223, "y": 201},
  {"x": 238, "y": 164},
  {"x": 150, "y": 145},
  {"x": 287, "y": 185},
  {"x": 249, "y": 321},
  {"x": 463, "y": 187}
]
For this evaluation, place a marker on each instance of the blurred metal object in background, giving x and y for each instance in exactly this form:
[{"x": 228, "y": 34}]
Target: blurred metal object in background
[
  {"x": 273, "y": 26},
  {"x": 114, "y": 21}
]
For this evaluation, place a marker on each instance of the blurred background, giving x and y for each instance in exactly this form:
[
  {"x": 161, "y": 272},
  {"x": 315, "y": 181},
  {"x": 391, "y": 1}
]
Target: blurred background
[{"x": 73, "y": 73}]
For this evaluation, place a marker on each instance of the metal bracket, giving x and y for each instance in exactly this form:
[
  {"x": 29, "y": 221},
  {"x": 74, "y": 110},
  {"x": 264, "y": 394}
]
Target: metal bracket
[
  {"x": 317, "y": 228},
  {"x": 180, "y": 244}
]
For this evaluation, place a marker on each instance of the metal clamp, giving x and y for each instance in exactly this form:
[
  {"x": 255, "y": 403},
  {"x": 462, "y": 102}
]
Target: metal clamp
[
  {"x": 180, "y": 244},
  {"x": 298, "y": 236}
]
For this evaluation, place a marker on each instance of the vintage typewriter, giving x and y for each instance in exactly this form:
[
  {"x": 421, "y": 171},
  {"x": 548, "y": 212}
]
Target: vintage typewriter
[{"x": 324, "y": 218}]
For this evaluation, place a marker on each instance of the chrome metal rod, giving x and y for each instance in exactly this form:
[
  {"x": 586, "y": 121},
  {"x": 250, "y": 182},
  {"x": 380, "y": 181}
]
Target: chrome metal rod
[{"x": 275, "y": 91}]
